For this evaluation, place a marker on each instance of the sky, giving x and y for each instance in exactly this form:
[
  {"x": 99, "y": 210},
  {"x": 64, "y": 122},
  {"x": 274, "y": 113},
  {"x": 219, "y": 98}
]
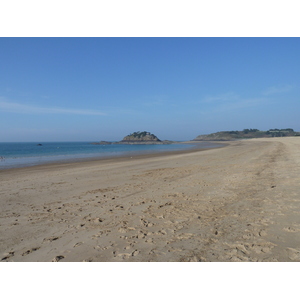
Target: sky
[{"x": 93, "y": 89}]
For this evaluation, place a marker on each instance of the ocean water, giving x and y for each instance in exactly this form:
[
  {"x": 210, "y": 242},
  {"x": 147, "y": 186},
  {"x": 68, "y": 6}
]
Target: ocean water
[{"x": 13, "y": 155}]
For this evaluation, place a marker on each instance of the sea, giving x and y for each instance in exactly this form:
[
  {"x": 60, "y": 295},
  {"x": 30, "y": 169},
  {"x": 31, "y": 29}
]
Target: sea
[{"x": 16, "y": 155}]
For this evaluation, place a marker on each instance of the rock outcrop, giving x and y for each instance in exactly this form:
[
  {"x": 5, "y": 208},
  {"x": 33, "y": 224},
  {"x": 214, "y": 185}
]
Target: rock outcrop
[
  {"x": 138, "y": 137},
  {"x": 141, "y": 137}
]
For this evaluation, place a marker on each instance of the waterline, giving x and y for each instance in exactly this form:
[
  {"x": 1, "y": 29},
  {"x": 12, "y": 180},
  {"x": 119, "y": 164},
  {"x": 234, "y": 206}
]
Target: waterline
[{"x": 15, "y": 155}]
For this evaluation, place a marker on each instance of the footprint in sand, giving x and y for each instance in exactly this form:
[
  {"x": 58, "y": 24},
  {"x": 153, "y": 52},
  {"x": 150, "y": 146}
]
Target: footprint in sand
[
  {"x": 291, "y": 229},
  {"x": 262, "y": 233},
  {"x": 294, "y": 254},
  {"x": 166, "y": 204},
  {"x": 147, "y": 223},
  {"x": 123, "y": 255},
  {"x": 125, "y": 229},
  {"x": 135, "y": 253},
  {"x": 51, "y": 238},
  {"x": 97, "y": 220},
  {"x": 262, "y": 248},
  {"x": 30, "y": 251},
  {"x": 8, "y": 255},
  {"x": 149, "y": 241},
  {"x": 57, "y": 258}
]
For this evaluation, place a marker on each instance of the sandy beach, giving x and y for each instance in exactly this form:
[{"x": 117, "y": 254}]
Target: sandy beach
[{"x": 236, "y": 203}]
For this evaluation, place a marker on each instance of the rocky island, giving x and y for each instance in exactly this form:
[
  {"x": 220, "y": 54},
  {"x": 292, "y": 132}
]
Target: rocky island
[
  {"x": 138, "y": 137},
  {"x": 143, "y": 137}
]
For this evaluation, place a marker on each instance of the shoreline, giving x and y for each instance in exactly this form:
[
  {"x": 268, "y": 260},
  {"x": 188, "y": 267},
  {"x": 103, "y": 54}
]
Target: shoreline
[{"x": 111, "y": 158}]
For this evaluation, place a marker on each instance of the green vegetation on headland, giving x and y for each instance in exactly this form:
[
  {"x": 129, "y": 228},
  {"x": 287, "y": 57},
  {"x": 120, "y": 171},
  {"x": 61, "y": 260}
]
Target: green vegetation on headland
[
  {"x": 246, "y": 134},
  {"x": 144, "y": 135}
]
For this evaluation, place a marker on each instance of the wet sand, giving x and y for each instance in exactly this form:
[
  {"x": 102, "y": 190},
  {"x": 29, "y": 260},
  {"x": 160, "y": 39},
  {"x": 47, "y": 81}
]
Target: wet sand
[{"x": 236, "y": 203}]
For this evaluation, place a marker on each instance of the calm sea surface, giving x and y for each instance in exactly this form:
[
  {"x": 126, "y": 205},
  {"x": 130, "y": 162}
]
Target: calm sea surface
[{"x": 14, "y": 155}]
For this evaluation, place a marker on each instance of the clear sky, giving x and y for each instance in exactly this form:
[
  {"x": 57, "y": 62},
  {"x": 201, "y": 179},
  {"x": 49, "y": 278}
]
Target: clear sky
[{"x": 92, "y": 89}]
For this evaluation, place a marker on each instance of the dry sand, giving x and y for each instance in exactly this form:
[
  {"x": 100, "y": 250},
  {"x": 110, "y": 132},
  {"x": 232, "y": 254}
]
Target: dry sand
[{"x": 237, "y": 203}]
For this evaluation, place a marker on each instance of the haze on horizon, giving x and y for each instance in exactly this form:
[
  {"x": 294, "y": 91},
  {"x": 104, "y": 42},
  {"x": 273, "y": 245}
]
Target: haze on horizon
[{"x": 92, "y": 89}]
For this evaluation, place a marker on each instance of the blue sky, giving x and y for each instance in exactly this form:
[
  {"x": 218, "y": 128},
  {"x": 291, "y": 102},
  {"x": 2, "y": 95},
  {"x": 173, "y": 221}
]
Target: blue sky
[{"x": 91, "y": 89}]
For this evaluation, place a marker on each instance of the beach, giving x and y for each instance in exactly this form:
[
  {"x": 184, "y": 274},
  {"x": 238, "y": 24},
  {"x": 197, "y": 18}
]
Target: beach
[{"x": 237, "y": 203}]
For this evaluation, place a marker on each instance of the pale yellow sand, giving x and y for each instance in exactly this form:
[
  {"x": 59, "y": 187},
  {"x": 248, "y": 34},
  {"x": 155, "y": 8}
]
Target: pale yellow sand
[{"x": 237, "y": 203}]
